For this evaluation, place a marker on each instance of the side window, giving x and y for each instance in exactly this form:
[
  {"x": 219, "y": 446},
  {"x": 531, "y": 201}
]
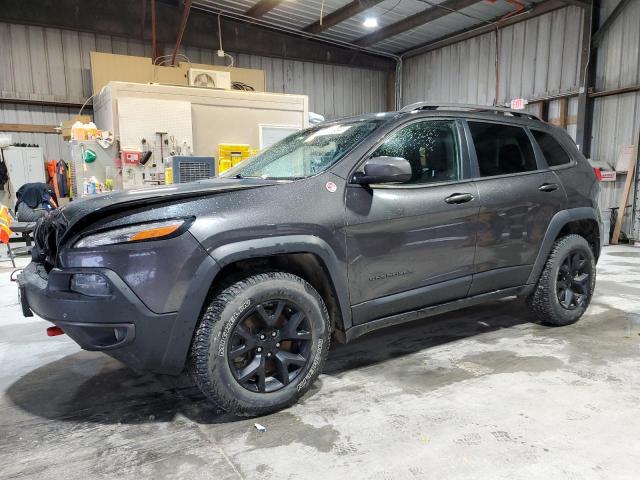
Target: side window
[
  {"x": 431, "y": 147},
  {"x": 502, "y": 149},
  {"x": 552, "y": 150}
]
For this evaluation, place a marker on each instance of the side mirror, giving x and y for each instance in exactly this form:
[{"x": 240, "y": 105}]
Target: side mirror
[{"x": 384, "y": 170}]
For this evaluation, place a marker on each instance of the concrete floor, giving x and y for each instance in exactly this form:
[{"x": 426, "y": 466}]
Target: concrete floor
[{"x": 480, "y": 393}]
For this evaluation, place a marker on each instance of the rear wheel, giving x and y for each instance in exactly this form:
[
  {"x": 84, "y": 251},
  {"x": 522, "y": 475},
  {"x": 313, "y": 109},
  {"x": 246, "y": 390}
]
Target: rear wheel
[
  {"x": 261, "y": 343},
  {"x": 566, "y": 284}
]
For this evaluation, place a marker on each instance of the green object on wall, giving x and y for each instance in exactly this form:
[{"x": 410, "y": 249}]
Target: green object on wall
[{"x": 89, "y": 156}]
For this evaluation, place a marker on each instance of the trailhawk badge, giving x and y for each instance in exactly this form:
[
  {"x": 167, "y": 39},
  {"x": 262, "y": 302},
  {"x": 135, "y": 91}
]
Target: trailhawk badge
[{"x": 332, "y": 187}]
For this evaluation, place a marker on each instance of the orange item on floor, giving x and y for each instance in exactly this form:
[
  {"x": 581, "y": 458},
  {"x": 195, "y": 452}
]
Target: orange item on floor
[{"x": 5, "y": 224}]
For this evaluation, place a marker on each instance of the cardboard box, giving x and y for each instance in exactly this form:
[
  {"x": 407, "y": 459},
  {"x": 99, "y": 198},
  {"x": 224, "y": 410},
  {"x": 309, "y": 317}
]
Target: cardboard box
[
  {"x": 626, "y": 158},
  {"x": 67, "y": 124},
  {"x": 108, "y": 67}
]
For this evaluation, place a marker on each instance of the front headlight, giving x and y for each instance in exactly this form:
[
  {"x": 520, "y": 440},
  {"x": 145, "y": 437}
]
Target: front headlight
[{"x": 133, "y": 233}]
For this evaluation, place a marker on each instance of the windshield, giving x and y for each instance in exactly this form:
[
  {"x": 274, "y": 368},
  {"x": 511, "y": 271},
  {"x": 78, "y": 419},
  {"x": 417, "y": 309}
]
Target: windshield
[{"x": 305, "y": 153}]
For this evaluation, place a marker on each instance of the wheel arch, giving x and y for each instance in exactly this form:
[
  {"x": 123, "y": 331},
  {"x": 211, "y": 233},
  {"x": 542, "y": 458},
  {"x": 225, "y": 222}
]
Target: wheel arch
[
  {"x": 307, "y": 256},
  {"x": 304, "y": 255},
  {"x": 583, "y": 221}
]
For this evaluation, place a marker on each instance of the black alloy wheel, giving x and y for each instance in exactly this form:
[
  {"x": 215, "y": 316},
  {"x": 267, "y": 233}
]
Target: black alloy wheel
[
  {"x": 270, "y": 345},
  {"x": 574, "y": 280}
]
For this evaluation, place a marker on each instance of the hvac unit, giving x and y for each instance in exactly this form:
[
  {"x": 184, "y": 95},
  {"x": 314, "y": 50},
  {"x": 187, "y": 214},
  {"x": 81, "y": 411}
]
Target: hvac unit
[
  {"x": 209, "y": 79},
  {"x": 184, "y": 169}
]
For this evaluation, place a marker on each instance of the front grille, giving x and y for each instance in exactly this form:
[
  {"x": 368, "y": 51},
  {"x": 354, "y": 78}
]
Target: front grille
[{"x": 47, "y": 235}]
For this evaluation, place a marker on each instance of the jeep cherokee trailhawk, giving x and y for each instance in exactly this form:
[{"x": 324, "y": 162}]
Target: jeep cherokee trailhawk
[{"x": 335, "y": 231}]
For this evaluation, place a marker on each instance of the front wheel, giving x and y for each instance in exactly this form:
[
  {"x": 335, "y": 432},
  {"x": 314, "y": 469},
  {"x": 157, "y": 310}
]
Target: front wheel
[
  {"x": 260, "y": 344},
  {"x": 566, "y": 284}
]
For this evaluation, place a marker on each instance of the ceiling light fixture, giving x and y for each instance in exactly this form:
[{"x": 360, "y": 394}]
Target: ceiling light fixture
[{"x": 370, "y": 22}]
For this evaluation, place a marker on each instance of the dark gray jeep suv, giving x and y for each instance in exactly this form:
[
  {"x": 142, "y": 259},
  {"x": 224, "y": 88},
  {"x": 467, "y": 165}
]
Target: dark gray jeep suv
[{"x": 338, "y": 230}]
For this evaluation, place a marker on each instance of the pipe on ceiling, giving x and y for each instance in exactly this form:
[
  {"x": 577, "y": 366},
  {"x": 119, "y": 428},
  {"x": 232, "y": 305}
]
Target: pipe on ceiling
[{"x": 186, "y": 9}]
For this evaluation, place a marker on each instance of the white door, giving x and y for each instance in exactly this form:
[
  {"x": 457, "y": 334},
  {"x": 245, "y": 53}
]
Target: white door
[
  {"x": 24, "y": 165},
  {"x": 16, "y": 171},
  {"x": 34, "y": 165}
]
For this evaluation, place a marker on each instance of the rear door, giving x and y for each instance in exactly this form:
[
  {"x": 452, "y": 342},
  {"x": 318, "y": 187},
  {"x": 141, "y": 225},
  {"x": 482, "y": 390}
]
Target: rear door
[
  {"x": 412, "y": 245},
  {"x": 518, "y": 195}
]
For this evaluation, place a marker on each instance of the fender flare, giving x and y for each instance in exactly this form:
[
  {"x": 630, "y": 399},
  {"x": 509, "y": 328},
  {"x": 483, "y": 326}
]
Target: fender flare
[
  {"x": 179, "y": 343},
  {"x": 557, "y": 223},
  {"x": 267, "y": 246},
  {"x": 189, "y": 314}
]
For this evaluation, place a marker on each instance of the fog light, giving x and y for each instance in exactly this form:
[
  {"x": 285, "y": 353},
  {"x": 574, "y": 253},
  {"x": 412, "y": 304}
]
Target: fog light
[{"x": 91, "y": 284}]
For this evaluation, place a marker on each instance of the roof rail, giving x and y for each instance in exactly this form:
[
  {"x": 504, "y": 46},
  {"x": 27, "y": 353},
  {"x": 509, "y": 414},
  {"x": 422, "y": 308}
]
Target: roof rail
[{"x": 465, "y": 106}]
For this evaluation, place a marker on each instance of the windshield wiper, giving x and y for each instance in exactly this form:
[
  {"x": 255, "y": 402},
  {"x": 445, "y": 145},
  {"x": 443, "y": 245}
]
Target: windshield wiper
[{"x": 283, "y": 178}]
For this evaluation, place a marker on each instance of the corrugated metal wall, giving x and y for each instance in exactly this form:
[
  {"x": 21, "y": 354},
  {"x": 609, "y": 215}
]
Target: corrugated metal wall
[
  {"x": 617, "y": 118},
  {"x": 538, "y": 57},
  {"x": 53, "y": 65},
  {"x": 52, "y": 144},
  {"x": 541, "y": 57}
]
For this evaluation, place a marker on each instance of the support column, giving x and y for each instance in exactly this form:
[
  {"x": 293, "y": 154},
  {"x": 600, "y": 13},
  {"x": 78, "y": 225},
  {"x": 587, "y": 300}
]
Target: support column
[{"x": 587, "y": 79}]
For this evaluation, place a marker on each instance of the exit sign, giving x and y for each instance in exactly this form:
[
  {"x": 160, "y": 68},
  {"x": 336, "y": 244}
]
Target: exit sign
[{"x": 518, "y": 103}]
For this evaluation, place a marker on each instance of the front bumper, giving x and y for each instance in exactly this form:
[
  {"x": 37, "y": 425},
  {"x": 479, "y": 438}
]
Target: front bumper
[{"x": 119, "y": 324}]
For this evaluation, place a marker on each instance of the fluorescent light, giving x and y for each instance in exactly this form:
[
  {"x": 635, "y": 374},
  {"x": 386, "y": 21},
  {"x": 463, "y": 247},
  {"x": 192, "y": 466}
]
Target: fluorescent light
[{"x": 370, "y": 22}]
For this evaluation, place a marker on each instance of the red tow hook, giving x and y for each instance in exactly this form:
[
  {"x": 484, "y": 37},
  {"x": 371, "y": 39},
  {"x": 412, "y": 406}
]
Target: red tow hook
[{"x": 54, "y": 331}]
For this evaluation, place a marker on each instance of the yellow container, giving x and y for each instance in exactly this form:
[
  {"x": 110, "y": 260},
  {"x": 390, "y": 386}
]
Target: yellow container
[
  {"x": 224, "y": 164},
  {"x": 231, "y": 154},
  {"x": 168, "y": 175},
  {"x": 236, "y": 159}
]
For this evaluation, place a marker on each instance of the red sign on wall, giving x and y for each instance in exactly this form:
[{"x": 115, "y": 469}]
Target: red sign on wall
[{"x": 518, "y": 103}]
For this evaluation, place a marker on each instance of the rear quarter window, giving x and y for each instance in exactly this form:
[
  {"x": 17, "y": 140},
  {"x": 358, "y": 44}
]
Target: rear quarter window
[
  {"x": 553, "y": 152},
  {"x": 502, "y": 149}
]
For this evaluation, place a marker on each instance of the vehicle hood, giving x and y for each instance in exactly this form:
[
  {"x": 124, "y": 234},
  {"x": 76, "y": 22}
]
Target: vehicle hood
[{"x": 125, "y": 199}]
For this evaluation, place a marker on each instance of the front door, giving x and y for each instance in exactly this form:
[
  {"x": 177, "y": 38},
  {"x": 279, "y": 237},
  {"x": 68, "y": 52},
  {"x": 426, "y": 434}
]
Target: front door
[
  {"x": 412, "y": 245},
  {"x": 518, "y": 196}
]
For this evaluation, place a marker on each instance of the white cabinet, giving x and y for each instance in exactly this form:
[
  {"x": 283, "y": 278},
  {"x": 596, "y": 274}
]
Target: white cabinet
[{"x": 24, "y": 165}]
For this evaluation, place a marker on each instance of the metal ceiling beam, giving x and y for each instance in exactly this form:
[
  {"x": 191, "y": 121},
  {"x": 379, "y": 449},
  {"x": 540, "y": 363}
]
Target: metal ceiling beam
[
  {"x": 413, "y": 21},
  {"x": 121, "y": 18},
  {"x": 340, "y": 15},
  {"x": 578, "y": 3},
  {"x": 599, "y": 34},
  {"x": 461, "y": 35},
  {"x": 262, "y": 7},
  {"x": 154, "y": 32},
  {"x": 183, "y": 25}
]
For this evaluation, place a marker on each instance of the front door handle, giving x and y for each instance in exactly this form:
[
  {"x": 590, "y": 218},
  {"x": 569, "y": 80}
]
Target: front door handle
[
  {"x": 548, "y": 187},
  {"x": 459, "y": 198}
]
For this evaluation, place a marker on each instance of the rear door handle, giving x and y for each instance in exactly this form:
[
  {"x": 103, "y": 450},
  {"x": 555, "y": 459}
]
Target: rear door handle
[
  {"x": 548, "y": 187},
  {"x": 459, "y": 198}
]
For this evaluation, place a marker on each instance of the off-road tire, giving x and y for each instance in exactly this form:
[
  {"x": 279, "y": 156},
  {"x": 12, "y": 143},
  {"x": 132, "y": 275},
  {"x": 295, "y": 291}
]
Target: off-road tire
[
  {"x": 209, "y": 365},
  {"x": 543, "y": 301}
]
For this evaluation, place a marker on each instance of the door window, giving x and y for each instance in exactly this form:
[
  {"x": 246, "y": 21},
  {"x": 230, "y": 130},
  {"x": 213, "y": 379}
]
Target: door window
[
  {"x": 502, "y": 149},
  {"x": 552, "y": 150},
  {"x": 431, "y": 147}
]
